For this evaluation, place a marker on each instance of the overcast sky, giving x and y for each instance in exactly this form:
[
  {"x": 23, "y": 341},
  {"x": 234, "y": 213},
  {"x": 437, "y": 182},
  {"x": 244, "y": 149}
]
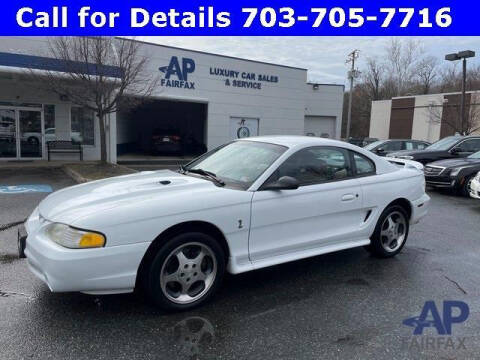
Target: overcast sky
[{"x": 324, "y": 57}]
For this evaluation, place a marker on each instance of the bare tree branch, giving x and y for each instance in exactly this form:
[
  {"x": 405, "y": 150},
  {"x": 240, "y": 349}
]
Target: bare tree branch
[{"x": 97, "y": 73}]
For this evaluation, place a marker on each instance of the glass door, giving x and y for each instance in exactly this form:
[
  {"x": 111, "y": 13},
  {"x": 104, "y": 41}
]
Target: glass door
[
  {"x": 8, "y": 134},
  {"x": 30, "y": 133}
]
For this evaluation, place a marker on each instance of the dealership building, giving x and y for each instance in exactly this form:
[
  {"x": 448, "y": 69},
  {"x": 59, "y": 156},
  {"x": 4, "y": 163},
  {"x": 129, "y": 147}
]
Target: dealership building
[
  {"x": 423, "y": 117},
  {"x": 206, "y": 98}
]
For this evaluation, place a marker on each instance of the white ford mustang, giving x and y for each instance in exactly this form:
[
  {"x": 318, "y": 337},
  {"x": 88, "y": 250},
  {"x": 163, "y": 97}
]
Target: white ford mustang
[{"x": 246, "y": 205}]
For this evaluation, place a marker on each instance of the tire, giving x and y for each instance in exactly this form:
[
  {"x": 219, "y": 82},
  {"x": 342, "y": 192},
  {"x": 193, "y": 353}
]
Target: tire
[
  {"x": 176, "y": 282},
  {"x": 387, "y": 242},
  {"x": 464, "y": 190},
  {"x": 33, "y": 140}
]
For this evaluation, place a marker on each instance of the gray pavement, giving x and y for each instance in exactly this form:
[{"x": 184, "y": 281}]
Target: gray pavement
[{"x": 343, "y": 305}]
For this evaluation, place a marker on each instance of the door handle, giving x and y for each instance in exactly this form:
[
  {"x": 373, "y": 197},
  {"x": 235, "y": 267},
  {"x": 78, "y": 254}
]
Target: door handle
[{"x": 349, "y": 197}]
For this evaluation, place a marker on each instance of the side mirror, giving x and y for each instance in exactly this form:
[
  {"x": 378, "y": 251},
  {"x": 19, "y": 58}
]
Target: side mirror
[
  {"x": 380, "y": 150},
  {"x": 456, "y": 151},
  {"x": 284, "y": 183}
]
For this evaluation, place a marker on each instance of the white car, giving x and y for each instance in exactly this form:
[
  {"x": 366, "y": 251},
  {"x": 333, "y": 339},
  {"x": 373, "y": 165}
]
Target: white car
[
  {"x": 475, "y": 187},
  {"x": 35, "y": 137},
  {"x": 249, "y": 204}
]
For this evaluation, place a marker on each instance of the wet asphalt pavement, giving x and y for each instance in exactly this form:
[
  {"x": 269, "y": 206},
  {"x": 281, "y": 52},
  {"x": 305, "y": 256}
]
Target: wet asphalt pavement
[{"x": 343, "y": 305}]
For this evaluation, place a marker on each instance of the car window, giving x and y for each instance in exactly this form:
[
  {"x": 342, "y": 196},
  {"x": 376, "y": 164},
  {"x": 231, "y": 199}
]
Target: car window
[
  {"x": 409, "y": 145},
  {"x": 444, "y": 144},
  {"x": 239, "y": 163},
  {"x": 420, "y": 145},
  {"x": 472, "y": 145},
  {"x": 373, "y": 145},
  {"x": 392, "y": 146},
  {"x": 315, "y": 165},
  {"x": 363, "y": 165}
]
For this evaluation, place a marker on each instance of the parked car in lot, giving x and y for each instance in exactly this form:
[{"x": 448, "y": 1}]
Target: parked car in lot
[
  {"x": 456, "y": 174},
  {"x": 450, "y": 147},
  {"x": 386, "y": 147},
  {"x": 171, "y": 142},
  {"x": 166, "y": 142},
  {"x": 475, "y": 187},
  {"x": 249, "y": 204},
  {"x": 360, "y": 141}
]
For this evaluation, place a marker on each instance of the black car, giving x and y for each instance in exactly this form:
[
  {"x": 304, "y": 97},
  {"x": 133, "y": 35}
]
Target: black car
[
  {"x": 451, "y": 147},
  {"x": 166, "y": 142},
  {"x": 456, "y": 174},
  {"x": 360, "y": 141},
  {"x": 171, "y": 142},
  {"x": 386, "y": 147}
]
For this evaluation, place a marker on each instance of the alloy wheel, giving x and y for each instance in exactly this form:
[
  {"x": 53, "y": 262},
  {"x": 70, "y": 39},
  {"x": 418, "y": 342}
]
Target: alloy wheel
[
  {"x": 393, "y": 231},
  {"x": 188, "y": 273}
]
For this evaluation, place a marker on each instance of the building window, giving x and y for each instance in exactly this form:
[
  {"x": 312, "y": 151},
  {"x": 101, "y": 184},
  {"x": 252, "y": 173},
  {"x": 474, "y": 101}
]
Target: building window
[
  {"x": 49, "y": 118},
  {"x": 82, "y": 128}
]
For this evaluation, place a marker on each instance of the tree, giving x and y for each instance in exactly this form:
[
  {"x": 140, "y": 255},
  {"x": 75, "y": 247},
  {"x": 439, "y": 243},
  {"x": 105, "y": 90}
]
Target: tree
[
  {"x": 402, "y": 59},
  {"x": 96, "y": 73},
  {"x": 426, "y": 73},
  {"x": 373, "y": 77},
  {"x": 450, "y": 115}
]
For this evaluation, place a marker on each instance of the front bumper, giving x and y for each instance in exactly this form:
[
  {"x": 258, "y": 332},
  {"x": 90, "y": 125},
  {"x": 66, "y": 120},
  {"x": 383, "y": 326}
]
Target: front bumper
[
  {"x": 419, "y": 208},
  {"x": 475, "y": 189},
  {"x": 106, "y": 270},
  {"x": 440, "y": 181}
]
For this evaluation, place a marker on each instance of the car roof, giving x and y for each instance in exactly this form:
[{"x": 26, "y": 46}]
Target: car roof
[{"x": 292, "y": 140}]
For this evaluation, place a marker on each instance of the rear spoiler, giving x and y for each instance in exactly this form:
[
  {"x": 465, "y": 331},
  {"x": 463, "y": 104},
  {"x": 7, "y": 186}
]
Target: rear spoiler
[{"x": 408, "y": 164}]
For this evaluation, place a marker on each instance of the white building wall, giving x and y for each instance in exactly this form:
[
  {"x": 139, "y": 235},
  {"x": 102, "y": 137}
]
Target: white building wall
[
  {"x": 279, "y": 106},
  {"x": 426, "y": 117},
  {"x": 475, "y": 110},
  {"x": 15, "y": 88},
  {"x": 380, "y": 119},
  {"x": 325, "y": 100}
]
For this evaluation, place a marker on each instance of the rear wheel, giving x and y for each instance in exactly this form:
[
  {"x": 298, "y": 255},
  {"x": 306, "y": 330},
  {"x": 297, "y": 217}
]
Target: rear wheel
[
  {"x": 390, "y": 233},
  {"x": 185, "y": 272}
]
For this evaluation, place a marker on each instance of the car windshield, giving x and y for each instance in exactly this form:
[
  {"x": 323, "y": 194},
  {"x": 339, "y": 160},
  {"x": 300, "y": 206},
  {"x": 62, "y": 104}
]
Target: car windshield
[
  {"x": 475, "y": 155},
  {"x": 444, "y": 144},
  {"x": 240, "y": 162},
  {"x": 372, "y": 145}
]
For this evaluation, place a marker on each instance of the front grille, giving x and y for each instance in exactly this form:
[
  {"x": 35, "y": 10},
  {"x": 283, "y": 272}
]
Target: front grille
[{"x": 432, "y": 170}]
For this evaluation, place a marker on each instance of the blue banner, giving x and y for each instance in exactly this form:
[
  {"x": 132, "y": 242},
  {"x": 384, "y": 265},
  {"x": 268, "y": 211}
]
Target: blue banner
[{"x": 247, "y": 17}]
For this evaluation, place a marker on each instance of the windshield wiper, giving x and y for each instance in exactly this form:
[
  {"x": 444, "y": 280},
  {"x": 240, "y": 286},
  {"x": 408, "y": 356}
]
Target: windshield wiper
[{"x": 205, "y": 173}]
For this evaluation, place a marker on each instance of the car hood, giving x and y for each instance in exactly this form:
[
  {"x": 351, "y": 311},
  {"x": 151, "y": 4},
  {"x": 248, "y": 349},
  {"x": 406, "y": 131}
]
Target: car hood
[
  {"x": 451, "y": 163},
  {"x": 415, "y": 153},
  {"x": 71, "y": 204}
]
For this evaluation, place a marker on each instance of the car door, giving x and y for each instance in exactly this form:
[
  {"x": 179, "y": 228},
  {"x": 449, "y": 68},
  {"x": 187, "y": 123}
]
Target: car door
[{"x": 325, "y": 209}]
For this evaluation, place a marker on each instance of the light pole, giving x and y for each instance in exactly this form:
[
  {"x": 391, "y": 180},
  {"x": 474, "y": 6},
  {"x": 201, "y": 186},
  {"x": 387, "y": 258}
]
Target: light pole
[
  {"x": 458, "y": 56},
  {"x": 352, "y": 74}
]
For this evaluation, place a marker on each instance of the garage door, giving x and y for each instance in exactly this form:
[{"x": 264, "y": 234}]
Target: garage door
[{"x": 321, "y": 126}]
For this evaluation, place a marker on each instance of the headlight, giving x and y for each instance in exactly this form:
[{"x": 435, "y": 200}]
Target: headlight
[
  {"x": 455, "y": 171},
  {"x": 72, "y": 238},
  {"x": 405, "y": 157}
]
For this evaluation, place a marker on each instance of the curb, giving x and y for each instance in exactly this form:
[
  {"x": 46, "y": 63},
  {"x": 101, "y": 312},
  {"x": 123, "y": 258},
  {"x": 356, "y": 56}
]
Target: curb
[{"x": 79, "y": 179}]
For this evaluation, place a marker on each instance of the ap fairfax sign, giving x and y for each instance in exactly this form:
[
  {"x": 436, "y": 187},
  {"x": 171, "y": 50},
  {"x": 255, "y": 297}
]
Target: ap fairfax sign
[{"x": 179, "y": 69}]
